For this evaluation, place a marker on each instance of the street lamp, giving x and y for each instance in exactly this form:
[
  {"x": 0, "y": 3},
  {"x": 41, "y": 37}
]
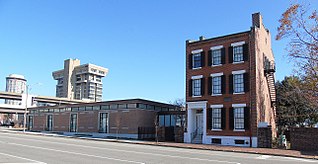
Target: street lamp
[
  {"x": 26, "y": 105},
  {"x": 26, "y": 108}
]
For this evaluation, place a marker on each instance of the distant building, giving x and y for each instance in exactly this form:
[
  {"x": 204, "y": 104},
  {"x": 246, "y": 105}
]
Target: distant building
[
  {"x": 15, "y": 84},
  {"x": 77, "y": 81},
  {"x": 230, "y": 88}
]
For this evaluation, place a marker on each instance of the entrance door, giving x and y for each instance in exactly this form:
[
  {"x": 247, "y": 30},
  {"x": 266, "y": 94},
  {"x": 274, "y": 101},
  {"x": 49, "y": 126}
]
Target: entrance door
[
  {"x": 199, "y": 123},
  {"x": 103, "y": 123},
  {"x": 73, "y": 123},
  {"x": 49, "y": 123}
]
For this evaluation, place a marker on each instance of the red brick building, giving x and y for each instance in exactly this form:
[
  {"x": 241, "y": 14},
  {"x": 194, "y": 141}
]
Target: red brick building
[
  {"x": 131, "y": 118},
  {"x": 230, "y": 88}
]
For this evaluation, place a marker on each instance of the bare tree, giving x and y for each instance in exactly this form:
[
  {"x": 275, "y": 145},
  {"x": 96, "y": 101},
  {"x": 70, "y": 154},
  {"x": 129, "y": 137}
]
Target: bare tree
[{"x": 299, "y": 24}]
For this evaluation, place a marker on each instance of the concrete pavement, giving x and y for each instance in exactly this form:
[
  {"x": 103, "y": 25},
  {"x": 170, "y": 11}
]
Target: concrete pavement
[{"x": 22, "y": 148}]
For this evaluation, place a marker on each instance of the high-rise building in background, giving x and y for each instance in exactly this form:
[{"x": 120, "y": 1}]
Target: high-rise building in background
[
  {"x": 77, "y": 81},
  {"x": 15, "y": 84}
]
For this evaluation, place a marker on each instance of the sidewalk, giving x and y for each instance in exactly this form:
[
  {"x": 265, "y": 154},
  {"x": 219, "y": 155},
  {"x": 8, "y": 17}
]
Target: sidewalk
[{"x": 263, "y": 151}]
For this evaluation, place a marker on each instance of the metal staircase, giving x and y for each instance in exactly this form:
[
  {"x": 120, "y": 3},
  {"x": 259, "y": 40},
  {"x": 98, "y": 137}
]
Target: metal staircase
[{"x": 269, "y": 70}]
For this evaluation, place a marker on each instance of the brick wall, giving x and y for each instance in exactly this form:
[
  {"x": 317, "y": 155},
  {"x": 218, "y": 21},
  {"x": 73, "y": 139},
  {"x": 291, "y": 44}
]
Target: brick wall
[
  {"x": 264, "y": 137},
  {"x": 304, "y": 139}
]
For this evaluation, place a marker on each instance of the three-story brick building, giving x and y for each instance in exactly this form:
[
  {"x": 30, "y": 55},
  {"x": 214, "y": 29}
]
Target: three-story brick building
[{"x": 230, "y": 88}]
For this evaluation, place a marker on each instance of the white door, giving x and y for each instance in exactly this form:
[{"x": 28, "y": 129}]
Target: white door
[{"x": 199, "y": 123}]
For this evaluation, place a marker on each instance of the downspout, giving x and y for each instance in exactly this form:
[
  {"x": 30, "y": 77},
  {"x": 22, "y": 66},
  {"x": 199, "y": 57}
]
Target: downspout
[{"x": 250, "y": 121}]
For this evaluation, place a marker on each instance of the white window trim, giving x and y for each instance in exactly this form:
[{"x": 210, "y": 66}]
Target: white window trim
[
  {"x": 196, "y": 51},
  {"x": 238, "y": 93},
  {"x": 216, "y": 74},
  {"x": 197, "y": 77},
  {"x": 215, "y": 65},
  {"x": 196, "y": 68},
  {"x": 216, "y": 106},
  {"x": 238, "y": 72},
  {"x": 237, "y": 43},
  {"x": 238, "y": 105},
  {"x": 238, "y": 62},
  {"x": 216, "y": 47},
  {"x": 196, "y": 96},
  {"x": 238, "y": 130},
  {"x": 216, "y": 129},
  {"x": 219, "y": 94}
]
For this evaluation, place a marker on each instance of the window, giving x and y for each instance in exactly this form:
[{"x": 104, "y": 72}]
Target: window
[
  {"x": 216, "y": 140},
  {"x": 113, "y": 106},
  {"x": 141, "y": 106},
  {"x": 216, "y": 57},
  {"x": 49, "y": 123},
  {"x": 196, "y": 90},
  {"x": 131, "y": 106},
  {"x": 167, "y": 120},
  {"x": 216, "y": 118},
  {"x": 89, "y": 108},
  {"x": 103, "y": 122},
  {"x": 239, "y": 118},
  {"x": 239, "y": 142},
  {"x": 30, "y": 122},
  {"x": 238, "y": 54},
  {"x": 238, "y": 83},
  {"x": 73, "y": 123},
  {"x": 105, "y": 107},
  {"x": 96, "y": 107},
  {"x": 122, "y": 106},
  {"x": 216, "y": 85},
  {"x": 161, "y": 120},
  {"x": 78, "y": 78},
  {"x": 196, "y": 58}
]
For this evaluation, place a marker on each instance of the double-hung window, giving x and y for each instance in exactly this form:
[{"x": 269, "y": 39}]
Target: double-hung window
[
  {"x": 216, "y": 85},
  {"x": 196, "y": 59},
  {"x": 238, "y": 83},
  {"x": 216, "y": 57},
  {"x": 238, "y": 54},
  {"x": 239, "y": 118},
  {"x": 216, "y": 118},
  {"x": 196, "y": 90}
]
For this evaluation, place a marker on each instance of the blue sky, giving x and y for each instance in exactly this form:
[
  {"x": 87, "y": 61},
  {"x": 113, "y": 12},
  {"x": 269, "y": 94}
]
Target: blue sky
[{"x": 141, "y": 42}]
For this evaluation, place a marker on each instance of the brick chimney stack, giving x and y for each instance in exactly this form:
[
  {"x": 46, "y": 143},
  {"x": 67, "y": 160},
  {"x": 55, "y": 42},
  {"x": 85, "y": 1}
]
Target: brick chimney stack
[{"x": 257, "y": 20}]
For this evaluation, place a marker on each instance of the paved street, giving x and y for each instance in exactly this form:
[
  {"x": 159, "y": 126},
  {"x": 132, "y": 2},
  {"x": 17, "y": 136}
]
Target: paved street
[{"x": 22, "y": 148}]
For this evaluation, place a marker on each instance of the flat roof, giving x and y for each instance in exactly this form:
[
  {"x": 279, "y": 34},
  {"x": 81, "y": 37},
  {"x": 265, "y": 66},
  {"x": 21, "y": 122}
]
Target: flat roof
[
  {"x": 218, "y": 37},
  {"x": 124, "y": 101}
]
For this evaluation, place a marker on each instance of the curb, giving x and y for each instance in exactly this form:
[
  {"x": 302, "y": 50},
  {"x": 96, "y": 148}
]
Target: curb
[{"x": 158, "y": 144}]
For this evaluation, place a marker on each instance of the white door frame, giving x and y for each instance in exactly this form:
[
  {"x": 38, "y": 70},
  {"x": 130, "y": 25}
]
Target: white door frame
[{"x": 192, "y": 107}]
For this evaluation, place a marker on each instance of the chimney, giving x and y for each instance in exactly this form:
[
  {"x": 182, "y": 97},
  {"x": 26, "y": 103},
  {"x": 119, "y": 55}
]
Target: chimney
[
  {"x": 201, "y": 38},
  {"x": 257, "y": 20}
]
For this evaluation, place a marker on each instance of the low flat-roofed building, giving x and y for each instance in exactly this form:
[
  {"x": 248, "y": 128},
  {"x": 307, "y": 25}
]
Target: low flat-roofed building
[{"x": 131, "y": 118}]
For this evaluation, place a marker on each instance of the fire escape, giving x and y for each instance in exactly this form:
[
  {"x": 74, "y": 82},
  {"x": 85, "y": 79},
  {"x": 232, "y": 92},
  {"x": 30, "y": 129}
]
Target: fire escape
[{"x": 269, "y": 70}]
